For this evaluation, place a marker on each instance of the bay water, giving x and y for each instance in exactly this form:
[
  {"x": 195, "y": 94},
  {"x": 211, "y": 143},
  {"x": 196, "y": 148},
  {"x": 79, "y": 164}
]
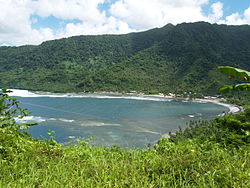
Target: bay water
[{"x": 126, "y": 121}]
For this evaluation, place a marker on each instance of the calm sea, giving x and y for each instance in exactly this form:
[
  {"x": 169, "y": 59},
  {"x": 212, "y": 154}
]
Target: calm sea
[{"x": 126, "y": 121}]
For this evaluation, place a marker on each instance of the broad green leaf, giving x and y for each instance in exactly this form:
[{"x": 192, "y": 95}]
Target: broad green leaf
[
  {"x": 226, "y": 89},
  {"x": 238, "y": 87},
  {"x": 235, "y": 72},
  {"x": 244, "y": 86}
]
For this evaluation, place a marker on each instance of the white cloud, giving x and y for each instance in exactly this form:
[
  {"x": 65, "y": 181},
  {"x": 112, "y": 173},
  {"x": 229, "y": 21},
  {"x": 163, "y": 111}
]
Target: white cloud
[
  {"x": 17, "y": 17},
  {"x": 85, "y": 10},
  {"x": 183, "y": 3},
  {"x": 13, "y": 16},
  {"x": 110, "y": 26},
  {"x": 217, "y": 12},
  {"x": 15, "y": 24},
  {"x": 237, "y": 18},
  {"x": 247, "y": 15},
  {"x": 145, "y": 14}
]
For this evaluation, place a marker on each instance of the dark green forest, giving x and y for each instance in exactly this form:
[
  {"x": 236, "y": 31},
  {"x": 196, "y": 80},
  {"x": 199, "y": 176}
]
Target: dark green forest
[{"x": 169, "y": 59}]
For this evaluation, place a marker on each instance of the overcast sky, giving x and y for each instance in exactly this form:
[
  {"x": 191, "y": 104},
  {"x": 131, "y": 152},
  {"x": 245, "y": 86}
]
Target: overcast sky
[{"x": 34, "y": 21}]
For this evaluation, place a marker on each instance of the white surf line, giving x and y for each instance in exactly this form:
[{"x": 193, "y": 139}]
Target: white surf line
[
  {"x": 66, "y": 120},
  {"x": 40, "y": 119},
  {"x": 37, "y": 119},
  {"x": 26, "y": 93},
  {"x": 233, "y": 109}
]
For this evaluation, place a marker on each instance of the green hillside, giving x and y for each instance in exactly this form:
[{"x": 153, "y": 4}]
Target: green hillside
[{"x": 169, "y": 59}]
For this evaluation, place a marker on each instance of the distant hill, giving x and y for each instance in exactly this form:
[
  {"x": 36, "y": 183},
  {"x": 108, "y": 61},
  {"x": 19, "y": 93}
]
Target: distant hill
[{"x": 168, "y": 59}]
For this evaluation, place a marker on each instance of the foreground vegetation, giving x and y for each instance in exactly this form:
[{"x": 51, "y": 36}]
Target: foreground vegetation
[{"x": 207, "y": 154}]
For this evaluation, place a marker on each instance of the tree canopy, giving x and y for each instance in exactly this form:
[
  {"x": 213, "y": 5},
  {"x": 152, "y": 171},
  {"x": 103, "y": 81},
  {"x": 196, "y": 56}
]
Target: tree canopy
[{"x": 176, "y": 59}]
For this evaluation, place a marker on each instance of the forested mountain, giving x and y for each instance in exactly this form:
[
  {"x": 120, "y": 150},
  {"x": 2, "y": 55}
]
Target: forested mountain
[{"x": 169, "y": 59}]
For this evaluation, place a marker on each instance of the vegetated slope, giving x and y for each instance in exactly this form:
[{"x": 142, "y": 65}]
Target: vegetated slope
[
  {"x": 60, "y": 65},
  {"x": 170, "y": 59},
  {"x": 185, "y": 60}
]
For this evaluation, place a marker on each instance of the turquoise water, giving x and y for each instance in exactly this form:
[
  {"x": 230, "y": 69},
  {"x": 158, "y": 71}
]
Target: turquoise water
[{"x": 122, "y": 121}]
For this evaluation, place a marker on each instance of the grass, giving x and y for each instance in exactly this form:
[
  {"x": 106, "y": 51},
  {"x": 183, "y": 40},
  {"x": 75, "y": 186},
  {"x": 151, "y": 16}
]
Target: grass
[
  {"x": 207, "y": 154},
  {"x": 26, "y": 162}
]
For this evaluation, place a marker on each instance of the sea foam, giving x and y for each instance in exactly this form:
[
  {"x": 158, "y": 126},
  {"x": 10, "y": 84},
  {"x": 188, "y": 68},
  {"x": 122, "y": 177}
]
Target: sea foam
[
  {"x": 40, "y": 119},
  {"x": 26, "y": 93},
  {"x": 37, "y": 119}
]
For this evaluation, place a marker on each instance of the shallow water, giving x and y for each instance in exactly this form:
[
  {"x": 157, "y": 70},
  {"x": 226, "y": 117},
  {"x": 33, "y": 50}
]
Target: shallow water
[{"x": 126, "y": 121}]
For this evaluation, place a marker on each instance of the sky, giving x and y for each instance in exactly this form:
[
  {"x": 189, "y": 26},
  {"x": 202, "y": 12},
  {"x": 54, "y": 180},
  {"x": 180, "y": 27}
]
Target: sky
[{"x": 25, "y": 22}]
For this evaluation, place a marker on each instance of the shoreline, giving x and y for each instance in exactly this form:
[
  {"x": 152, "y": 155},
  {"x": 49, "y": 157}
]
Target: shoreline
[{"x": 233, "y": 109}]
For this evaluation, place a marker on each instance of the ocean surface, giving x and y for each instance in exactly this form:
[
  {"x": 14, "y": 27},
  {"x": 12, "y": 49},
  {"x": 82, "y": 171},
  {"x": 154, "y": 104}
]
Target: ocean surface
[{"x": 126, "y": 121}]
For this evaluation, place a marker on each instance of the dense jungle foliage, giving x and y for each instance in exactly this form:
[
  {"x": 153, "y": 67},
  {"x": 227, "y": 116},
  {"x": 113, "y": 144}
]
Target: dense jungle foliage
[
  {"x": 169, "y": 59},
  {"x": 207, "y": 154}
]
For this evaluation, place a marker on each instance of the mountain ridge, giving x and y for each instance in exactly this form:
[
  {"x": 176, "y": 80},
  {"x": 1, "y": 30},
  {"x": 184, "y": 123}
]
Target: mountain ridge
[{"x": 168, "y": 59}]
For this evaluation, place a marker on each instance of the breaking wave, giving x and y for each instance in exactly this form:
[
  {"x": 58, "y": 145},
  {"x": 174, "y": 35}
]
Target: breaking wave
[
  {"x": 40, "y": 119},
  {"x": 83, "y": 123},
  {"x": 26, "y": 93}
]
